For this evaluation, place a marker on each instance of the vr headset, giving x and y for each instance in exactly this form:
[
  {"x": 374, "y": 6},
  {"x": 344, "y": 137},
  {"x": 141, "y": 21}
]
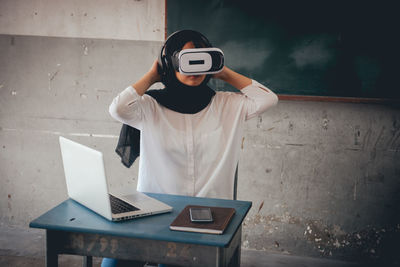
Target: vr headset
[
  {"x": 199, "y": 61},
  {"x": 196, "y": 61}
]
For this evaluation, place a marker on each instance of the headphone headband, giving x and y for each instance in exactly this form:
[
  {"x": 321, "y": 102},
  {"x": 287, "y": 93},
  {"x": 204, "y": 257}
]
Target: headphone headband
[{"x": 192, "y": 32}]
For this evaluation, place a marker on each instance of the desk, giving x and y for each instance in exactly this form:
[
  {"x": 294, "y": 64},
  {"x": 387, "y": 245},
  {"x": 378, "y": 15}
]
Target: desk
[{"x": 73, "y": 229}]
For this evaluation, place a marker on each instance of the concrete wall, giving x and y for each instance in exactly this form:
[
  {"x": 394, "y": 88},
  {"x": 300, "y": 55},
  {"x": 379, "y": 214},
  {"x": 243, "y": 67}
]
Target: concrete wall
[
  {"x": 324, "y": 180},
  {"x": 51, "y": 86},
  {"x": 323, "y": 176},
  {"x": 121, "y": 19}
]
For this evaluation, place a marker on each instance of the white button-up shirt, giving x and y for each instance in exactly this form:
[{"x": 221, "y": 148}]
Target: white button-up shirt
[{"x": 191, "y": 154}]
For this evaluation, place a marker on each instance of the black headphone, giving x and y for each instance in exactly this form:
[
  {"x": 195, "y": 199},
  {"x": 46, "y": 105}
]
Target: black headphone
[{"x": 166, "y": 63}]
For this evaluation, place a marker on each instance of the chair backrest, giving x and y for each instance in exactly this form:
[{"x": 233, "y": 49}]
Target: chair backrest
[{"x": 235, "y": 183}]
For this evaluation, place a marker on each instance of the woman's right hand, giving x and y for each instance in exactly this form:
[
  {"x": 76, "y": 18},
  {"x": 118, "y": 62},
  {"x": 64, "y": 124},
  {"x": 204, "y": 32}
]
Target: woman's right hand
[
  {"x": 151, "y": 77},
  {"x": 153, "y": 72}
]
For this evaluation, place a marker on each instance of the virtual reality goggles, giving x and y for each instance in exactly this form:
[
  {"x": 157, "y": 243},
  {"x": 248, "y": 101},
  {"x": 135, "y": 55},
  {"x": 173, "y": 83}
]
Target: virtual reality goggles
[{"x": 199, "y": 61}]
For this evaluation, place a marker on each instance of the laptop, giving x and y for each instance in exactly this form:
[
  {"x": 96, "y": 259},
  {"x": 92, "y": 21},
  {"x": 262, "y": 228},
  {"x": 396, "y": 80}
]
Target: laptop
[{"x": 87, "y": 184}]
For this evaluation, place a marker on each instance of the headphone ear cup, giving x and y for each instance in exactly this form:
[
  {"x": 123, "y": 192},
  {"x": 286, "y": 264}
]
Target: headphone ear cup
[
  {"x": 163, "y": 68},
  {"x": 162, "y": 65}
]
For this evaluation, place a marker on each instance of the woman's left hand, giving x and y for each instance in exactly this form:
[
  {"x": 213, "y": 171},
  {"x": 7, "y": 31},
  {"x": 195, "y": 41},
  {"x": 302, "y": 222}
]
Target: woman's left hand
[
  {"x": 221, "y": 75},
  {"x": 235, "y": 79}
]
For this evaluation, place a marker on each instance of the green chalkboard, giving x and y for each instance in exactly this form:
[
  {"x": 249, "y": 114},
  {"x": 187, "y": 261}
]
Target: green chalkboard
[{"x": 316, "y": 48}]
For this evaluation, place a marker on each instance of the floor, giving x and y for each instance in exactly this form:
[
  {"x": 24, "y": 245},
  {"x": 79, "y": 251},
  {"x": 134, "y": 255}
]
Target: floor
[{"x": 25, "y": 247}]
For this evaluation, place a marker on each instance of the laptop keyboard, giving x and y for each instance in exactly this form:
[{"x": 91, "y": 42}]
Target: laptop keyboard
[{"x": 120, "y": 206}]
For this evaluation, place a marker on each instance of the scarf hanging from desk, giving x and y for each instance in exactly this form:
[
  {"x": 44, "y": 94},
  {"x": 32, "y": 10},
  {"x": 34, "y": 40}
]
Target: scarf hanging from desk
[{"x": 177, "y": 97}]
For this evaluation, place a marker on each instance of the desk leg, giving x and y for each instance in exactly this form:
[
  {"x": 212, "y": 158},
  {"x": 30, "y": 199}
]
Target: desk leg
[
  {"x": 230, "y": 256},
  {"x": 238, "y": 252},
  {"x": 235, "y": 260},
  {"x": 51, "y": 250},
  {"x": 87, "y": 261}
]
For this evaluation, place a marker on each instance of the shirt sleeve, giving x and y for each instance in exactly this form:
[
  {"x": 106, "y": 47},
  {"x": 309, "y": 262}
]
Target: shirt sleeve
[
  {"x": 127, "y": 107},
  {"x": 258, "y": 99}
]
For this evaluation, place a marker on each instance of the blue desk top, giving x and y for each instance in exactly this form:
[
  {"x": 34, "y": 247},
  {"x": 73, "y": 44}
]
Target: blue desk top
[{"x": 155, "y": 227}]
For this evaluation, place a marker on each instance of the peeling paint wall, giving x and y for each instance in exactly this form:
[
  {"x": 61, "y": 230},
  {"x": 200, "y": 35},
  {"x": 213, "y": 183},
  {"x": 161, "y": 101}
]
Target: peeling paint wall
[{"x": 323, "y": 177}]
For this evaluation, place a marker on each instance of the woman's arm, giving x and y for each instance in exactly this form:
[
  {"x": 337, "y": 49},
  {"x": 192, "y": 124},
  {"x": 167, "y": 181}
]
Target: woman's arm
[
  {"x": 126, "y": 107},
  {"x": 258, "y": 97}
]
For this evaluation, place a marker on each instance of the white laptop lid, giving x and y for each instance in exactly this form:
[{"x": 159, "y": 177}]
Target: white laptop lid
[{"x": 85, "y": 176}]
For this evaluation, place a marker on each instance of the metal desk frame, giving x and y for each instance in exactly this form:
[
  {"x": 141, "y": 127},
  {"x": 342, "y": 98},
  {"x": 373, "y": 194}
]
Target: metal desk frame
[{"x": 180, "y": 254}]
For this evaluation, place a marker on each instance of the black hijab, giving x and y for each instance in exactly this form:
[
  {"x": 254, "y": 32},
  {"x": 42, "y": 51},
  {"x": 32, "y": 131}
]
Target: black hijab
[{"x": 175, "y": 96}]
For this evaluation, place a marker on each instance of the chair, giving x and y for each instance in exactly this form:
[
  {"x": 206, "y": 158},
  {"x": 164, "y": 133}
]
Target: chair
[{"x": 235, "y": 183}]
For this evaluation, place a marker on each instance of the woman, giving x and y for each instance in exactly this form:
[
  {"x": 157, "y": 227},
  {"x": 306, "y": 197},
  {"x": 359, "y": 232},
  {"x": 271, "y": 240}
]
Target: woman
[{"x": 190, "y": 135}]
